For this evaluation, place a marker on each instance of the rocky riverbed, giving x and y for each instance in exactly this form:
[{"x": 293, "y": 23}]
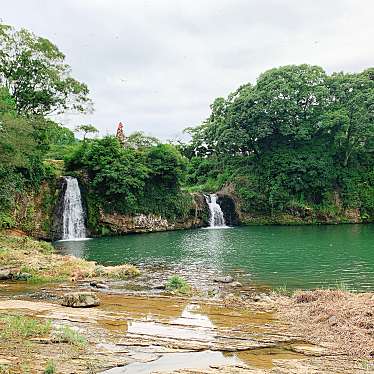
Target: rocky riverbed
[{"x": 132, "y": 332}]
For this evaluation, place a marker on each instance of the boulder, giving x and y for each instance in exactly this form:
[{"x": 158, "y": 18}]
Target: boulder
[
  {"x": 80, "y": 300},
  {"x": 227, "y": 279},
  {"x": 6, "y": 274}
]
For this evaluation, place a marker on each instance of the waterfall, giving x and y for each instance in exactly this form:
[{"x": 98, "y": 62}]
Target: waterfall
[
  {"x": 216, "y": 218},
  {"x": 73, "y": 217}
]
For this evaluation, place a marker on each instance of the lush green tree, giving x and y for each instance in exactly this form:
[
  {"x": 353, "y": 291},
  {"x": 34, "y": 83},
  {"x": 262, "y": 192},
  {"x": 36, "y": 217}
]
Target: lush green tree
[
  {"x": 167, "y": 166},
  {"x": 36, "y": 76},
  {"x": 140, "y": 141},
  {"x": 287, "y": 138},
  {"x": 351, "y": 116},
  {"x": 117, "y": 175},
  {"x": 130, "y": 180},
  {"x": 86, "y": 129}
]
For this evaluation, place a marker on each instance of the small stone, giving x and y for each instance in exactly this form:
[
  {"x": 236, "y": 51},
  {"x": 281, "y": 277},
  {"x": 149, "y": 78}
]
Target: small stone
[
  {"x": 6, "y": 274},
  {"x": 227, "y": 279},
  {"x": 4, "y": 361},
  {"x": 80, "y": 300},
  {"x": 159, "y": 287},
  {"x": 99, "y": 285},
  {"x": 333, "y": 321},
  {"x": 236, "y": 284}
]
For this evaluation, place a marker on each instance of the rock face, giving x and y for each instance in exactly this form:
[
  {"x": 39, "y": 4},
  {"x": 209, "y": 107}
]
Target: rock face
[
  {"x": 229, "y": 205},
  {"x": 123, "y": 223},
  {"x": 80, "y": 300},
  {"x": 34, "y": 210}
]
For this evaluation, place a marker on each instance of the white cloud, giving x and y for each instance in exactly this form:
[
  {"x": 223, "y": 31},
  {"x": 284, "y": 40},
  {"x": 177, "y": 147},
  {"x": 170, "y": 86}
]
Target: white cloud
[{"x": 157, "y": 65}]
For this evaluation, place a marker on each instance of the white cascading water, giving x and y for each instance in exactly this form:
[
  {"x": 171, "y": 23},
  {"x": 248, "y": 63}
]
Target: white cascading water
[
  {"x": 73, "y": 216},
  {"x": 216, "y": 218}
]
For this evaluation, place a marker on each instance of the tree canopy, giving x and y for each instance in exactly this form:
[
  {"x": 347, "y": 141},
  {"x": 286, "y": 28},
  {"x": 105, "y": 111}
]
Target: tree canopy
[
  {"x": 34, "y": 72},
  {"x": 297, "y": 135}
]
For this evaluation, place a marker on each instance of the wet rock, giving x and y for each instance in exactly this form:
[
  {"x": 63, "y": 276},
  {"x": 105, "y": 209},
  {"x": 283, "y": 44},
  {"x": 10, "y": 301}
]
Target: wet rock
[
  {"x": 310, "y": 350},
  {"x": 6, "y": 274},
  {"x": 227, "y": 279},
  {"x": 333, "y": 321},
  {"x": 159, "y": 287},
  {"x": 236, "y": 284},
  {"x": 100, "y": 285},
  {"x": 80, "y": 300},
  {"x": 262, "y": 298}
]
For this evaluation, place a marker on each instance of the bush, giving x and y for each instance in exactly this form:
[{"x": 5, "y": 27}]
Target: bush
[
  {"x": 178, "y": 284},
  {"x": 130, "y": 180}
]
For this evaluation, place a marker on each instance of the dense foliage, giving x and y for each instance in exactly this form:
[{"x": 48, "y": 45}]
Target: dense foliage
[
  {"x": 34, "y": 81},
  {"x": 131, "y": 179},
  {"x": 33, "y": 70},
  {"x": 296, "y": 137},
  {"x": 298, "y": 140}
]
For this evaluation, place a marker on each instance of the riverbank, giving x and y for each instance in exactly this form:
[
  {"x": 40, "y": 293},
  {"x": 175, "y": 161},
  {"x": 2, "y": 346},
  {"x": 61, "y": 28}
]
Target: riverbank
[
  {"x": 22, "y": 258},
  {"x": 234, "y": 330}
]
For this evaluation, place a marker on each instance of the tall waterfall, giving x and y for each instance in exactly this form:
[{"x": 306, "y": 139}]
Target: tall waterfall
[
  {"x": 73, "y": 217},
  {"x": 216, "y": 218}
]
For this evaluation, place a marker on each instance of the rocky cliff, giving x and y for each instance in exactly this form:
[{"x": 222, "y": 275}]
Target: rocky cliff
[
  {"x": 33, "y": 212},
  {"x": 115, "y": 223}
]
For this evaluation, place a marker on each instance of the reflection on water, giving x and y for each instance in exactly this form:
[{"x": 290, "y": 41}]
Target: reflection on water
[
  {"x": 191, "y": 325},
  {"x": 191, "y": 317},
  {"x": 175, "y": 361},
  {"x": 72, "y": 247},
  {"x": 292, "y": 256}
]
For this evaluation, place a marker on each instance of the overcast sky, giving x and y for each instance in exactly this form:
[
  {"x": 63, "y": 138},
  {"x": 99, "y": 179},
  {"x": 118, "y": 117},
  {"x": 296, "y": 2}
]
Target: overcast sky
[{"x": 156, "y": 65}]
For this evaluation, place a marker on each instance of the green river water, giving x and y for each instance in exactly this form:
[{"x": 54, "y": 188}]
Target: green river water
[{"x": 274, "y": 256}]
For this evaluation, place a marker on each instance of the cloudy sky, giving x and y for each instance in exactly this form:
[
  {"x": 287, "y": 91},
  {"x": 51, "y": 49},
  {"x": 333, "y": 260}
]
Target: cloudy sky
[{"x": 156, "y": 65}]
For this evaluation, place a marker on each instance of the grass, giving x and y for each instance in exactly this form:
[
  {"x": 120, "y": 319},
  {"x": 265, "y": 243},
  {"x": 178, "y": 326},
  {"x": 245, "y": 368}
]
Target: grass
[
  {"x": 178, "y": 285},
  {"x": 66, "y": 334},
  {"x": 283, "y": 290},
  {"x": 23, "y": 327},
  {"x": 342, "y": 286},
  {"x": 340, "y": 318},
  {"x": 4, "y": 369},
  {"x": 36, "y": 262},
  {"x": 50, "y": 368}
]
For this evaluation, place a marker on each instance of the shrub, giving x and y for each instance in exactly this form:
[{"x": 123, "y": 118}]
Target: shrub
[{"x": 178, "y": 284}]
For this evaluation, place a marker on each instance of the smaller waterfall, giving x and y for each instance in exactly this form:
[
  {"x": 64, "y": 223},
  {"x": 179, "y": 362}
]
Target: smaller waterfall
[
  {"x": 216, "y": 218},
  {"x": 73, "y": 216}
]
